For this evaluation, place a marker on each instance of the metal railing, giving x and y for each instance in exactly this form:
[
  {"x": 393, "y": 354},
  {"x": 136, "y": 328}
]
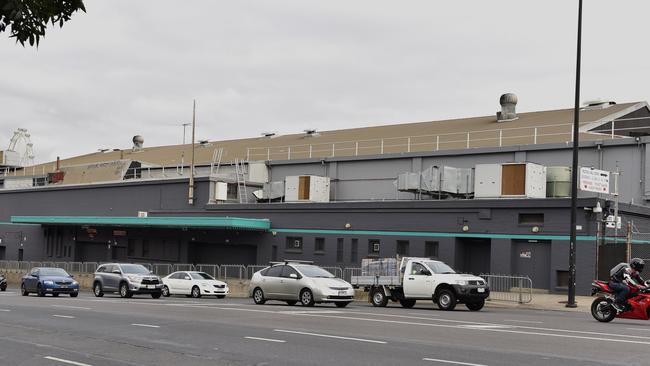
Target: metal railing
[
  {"x": 336, "y": 271},
  {"x": 509, "y": 288},
  {"x": 161, "y": 269},
  {"x": 349, "y": 272}
]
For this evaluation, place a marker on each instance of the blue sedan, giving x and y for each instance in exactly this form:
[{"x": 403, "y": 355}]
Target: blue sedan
[{"x": 44, "y": 280}]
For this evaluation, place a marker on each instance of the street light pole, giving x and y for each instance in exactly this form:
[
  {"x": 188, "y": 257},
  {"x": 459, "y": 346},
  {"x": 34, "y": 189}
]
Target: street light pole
[{"x": 571, "y": 303}]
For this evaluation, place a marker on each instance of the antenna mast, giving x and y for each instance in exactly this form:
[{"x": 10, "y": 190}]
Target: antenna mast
[{"x": 190, "y": 198}]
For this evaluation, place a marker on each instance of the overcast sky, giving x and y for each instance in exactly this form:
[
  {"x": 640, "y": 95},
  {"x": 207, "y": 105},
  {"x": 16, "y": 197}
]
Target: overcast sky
[{"x": 133, "y": 67}]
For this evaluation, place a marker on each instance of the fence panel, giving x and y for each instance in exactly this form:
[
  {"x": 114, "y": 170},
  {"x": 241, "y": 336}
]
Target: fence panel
[
  {"x": 162, "y": 269},
  {"x": 349, "y": 272},
  {"x": 509, "y": 288},
  {"x": 252, "y": 269},
  {"x": 75, "y": 267},
  {"x": 184, "y": 267},
  {"x": 336, "y": 271},
  {"x": 89, "y": 267},
  {"x": 49, "y": 264},
  {"x": 211, "y": 269},
  {"x": 233, "y": 271},
  {"x": 26, "y": 266}
]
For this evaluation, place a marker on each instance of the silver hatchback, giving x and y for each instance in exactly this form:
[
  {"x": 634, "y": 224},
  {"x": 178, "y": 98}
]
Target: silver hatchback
[{"x": 294, "y": 282}]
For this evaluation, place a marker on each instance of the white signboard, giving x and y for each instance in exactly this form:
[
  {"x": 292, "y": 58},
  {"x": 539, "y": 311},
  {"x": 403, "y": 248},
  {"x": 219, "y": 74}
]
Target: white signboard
[{"x": 594, "y": 180}]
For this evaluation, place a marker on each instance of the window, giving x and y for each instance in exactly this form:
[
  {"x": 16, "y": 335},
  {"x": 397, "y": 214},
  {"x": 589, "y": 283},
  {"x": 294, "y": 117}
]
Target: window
[
  {"x": 403, "y": 248},
  {"x": 294, "y": 244},
  {"x": 418, "y": 269},
  {"x": 101, "y": 269},
  {"x": 562, "y": 278},
  {"x": 354, "y": 250},
  {"x": 274, "y": 253},
  {"x": 319, "y": 245},
  {"x": 339, "y": 250},
  {"x": 431, "y": 249},
  {"x": 373, "y": 247},
  {"x": 2, "y": 183},
  {"x": 274, "y": 271},
  {"x": 287, "y": 271},
  {"x": 531, "y": 219},
  {"x": 145, "y": 248},
  {"x": 39, "y": 181}
]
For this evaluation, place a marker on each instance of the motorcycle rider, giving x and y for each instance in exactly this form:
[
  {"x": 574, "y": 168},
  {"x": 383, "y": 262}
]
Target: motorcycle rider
[{"x": 622, "y": 275}]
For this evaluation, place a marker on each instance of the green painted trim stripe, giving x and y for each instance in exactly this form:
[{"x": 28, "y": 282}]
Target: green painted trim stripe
[
  {"x": 195, "y": 222},
  {"x": 453, "y": 235}
]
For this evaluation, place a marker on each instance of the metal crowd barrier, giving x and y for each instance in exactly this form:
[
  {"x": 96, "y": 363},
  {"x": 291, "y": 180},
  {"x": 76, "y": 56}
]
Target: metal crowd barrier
[
  {"x": 509, "y": 288},
  {"x": 349, "y": 272},
  {"x": 336, "y": 271},
  {"x": 252, "y": 269},
  {"x": 232, "y": 271},
  {"x": 184, "y": 267},
  {"x": 211, "y": 269},
  {"x": 161, "y": 269}
]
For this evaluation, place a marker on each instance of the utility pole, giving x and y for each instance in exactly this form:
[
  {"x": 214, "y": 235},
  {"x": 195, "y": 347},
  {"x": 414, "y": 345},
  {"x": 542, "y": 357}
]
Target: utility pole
[
  {"x": 190, "y": 198},
  {"x": 616, "y": 174},
  {"x": 571, "y": 302}
]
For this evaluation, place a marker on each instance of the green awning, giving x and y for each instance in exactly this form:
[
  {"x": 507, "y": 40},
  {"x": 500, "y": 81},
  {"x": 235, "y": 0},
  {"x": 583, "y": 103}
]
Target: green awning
[{"x": 176, "y": 222}]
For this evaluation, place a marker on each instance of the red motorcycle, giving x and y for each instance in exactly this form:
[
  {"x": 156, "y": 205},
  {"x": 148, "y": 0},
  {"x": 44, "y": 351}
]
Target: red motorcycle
[{"x": 603, "y": 311}]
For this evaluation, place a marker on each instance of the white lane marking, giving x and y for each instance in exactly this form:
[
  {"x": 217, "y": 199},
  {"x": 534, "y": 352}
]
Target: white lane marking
[
  {"x": 301, "y": 312},
  {"x": 7, "y": 292},
  {"x": 495, "y": 330},
  {"x": 485, "y": 326},
  {"x": 647, "y": 330},
  {"x": 330, "y": 336},
  {"x": 266, "y": 339},
  {"x": 414, "y": 313},
  {"x": 63, "y": 316},
  {"x": 522, "y": 321},
  {"x": 5, "y": 310},
  {"x": 454, "y": 362},
  {"x": 145, "y": 325},
  {"x": 71, "y": 307},
  {"x": 65, "y": 361}
]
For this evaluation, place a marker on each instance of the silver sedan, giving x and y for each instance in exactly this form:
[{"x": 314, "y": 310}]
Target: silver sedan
[{"x": 298, "y": 282}]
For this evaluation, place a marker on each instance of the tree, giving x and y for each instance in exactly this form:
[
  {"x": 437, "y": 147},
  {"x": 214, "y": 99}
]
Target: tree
[{"x": 28, "y": 19}]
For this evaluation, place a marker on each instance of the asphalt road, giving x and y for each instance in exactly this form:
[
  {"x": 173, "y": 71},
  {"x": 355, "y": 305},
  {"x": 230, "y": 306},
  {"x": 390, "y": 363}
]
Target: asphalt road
[{"x": 180, "y": 331}]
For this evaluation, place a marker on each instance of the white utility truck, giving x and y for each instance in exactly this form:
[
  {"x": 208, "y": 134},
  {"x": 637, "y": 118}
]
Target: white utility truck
[{"x": 411, "y": 279}]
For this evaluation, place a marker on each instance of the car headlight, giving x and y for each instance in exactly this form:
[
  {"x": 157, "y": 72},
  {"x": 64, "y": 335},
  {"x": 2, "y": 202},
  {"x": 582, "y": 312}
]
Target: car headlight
[
  {"x": 48, "y": 282},
  {"x": 133, "y": 278},
  {"x": 75, "y": 283},
  {"x": 461, "y": 282}
]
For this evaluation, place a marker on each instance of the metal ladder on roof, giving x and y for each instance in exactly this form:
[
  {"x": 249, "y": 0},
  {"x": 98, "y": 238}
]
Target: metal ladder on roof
[
  {"x": 240, "y": 172},
  {"x": 216, "y": 160}
]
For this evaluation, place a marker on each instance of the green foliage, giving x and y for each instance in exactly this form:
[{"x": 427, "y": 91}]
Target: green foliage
[{"x": 28, "y": 19}]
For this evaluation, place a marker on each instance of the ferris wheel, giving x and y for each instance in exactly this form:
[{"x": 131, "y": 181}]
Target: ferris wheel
[{"x": 22, "y": 144}]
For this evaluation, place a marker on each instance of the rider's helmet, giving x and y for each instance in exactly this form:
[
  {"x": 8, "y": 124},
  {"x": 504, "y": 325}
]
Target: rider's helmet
[{"x": 637, "y": 264}]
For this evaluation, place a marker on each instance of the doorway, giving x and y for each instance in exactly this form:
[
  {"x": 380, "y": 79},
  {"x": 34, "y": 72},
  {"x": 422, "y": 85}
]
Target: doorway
[
  {"x": 532, "y": 258},
  {"x": 473, "y": 255}
]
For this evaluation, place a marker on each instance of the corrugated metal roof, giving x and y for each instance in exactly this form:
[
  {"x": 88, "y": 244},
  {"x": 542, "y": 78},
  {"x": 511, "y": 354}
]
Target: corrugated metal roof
[{"x": 550, "y": 127}]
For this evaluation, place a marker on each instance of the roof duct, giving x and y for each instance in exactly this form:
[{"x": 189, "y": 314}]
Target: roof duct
[{"x": 508, "y": 111}]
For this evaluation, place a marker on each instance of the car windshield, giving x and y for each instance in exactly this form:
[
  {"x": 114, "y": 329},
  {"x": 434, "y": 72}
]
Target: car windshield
[
  {"x": 134, "y": 269},
  {"x": 201, "y": 276},
  {"x": 314, "y": 271},
  {"x": 52, "y": 272},
  {"x": 439, "y": 267}
]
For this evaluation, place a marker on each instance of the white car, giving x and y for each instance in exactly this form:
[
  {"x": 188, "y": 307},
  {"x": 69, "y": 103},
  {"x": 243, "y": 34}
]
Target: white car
[
  {"x": 194, "y": 284},
  {"x": 299, "y": 281}
]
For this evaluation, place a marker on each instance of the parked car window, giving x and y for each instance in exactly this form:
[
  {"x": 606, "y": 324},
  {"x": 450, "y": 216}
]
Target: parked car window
[
  {"x": 34, "y": 272},
  {"x": 274, "y": 271},
  {"x": 418, "y": 269},
  {"x": 134, "y": 269},
  {"x": 53, "y": 272},
  {"x": 185, "y": 276},
  {"x": 201, "y": 276},
  {"x": 111, "y": 267},
  {"x": 100, "y": 269},
  {"x": 287, "y": 271},
  {"x": 314, "y": 271},
  {"x": 263, "y": 272},
  {"x": 439, "y": 267}
]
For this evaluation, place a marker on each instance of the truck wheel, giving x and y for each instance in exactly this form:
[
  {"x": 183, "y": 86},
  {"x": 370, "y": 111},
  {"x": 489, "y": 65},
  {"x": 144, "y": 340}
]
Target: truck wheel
[
  {"x": 475, "y": 306},
  {"x": 446, "y": 300},
  {"x": 379, "y": 298},
  {"x": 407, "y": 303}
]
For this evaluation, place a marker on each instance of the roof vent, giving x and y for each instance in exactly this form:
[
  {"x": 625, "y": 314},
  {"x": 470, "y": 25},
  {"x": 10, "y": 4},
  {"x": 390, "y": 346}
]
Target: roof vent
[
  {"x": 311, "y": 132},
  {"x": 508, "y": 112},
  {"x": 204, "y": 143},
  {"x": 597, "y": 104},
  {"x": 138, "y": 142},
  {"x": 268, "y": 134}
]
